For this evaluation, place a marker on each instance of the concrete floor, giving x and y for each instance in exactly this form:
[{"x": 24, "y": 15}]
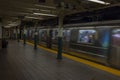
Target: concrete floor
[{"x": 19, "y": 62}]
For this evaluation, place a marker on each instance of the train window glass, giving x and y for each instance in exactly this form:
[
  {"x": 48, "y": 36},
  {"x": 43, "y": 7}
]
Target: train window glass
[
  {"x": 40, "y": 32},
  {"x": 66, "y": 35},
  {"x": 32, "y": 34},
  {"x": 86, "y": 36},
  {"x": 55, "y": 34},
  {"x": 44, "y": 35},
  {"x": 116, "y": 37},
  {"x": 104, "y": 37}
]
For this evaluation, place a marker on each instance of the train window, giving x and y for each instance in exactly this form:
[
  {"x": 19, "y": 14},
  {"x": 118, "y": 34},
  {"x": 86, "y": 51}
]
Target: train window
[
  {"x": 32, "y": 35},
  {"x": 55, "y": 34},
  {"x": 86, "y": 36},
  {"x": 44, "y": 35},
  {"x": 116, "y": 37},
  {"x": 66, "y": 35}
]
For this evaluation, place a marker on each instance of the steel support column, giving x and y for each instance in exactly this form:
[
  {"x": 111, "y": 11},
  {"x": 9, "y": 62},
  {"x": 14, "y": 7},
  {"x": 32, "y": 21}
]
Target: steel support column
[
  {"x": 24, "y": 36},
  {"x": 18, "y": 35},
  {"x": 35, "y": 39},
  {"x": 60, "y": 34},
  {"x": 35, "y": 36}
]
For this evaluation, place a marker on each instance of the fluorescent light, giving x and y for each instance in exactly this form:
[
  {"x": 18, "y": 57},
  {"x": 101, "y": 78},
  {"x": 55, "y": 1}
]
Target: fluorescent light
[
  {"x": 100, "y": 2},
  {"x": 45, "y": 6},
  {"x": 32, "y": 9},
  {"x": 33, "y": 17},
  {"x": 45, "y": 10},
  {"x": 44, "y": 14},
  {"x": 7, "y": 26}
]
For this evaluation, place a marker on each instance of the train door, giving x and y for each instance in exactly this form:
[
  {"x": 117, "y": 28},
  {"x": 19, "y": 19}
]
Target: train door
[
  {"x": 30, "y": 34},
  {"x": 66, "y": 39},
  {"x": 27, "y": 35},
  {"x": 115, "y": 48},
  {"x": 55, "y": 36},
  {"x": 44, "y": 36},
  {"x": 74, "y": 35},
  {"x": 39, "y": 36}
]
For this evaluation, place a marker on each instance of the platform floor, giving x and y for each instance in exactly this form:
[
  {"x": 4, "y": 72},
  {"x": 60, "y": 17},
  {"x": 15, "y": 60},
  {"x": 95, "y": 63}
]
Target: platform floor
[{"x": 20, "y": 62}]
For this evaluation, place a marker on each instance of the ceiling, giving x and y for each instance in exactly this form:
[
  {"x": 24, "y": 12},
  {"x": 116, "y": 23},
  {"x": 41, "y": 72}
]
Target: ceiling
[{"x": 14, "y": 10}]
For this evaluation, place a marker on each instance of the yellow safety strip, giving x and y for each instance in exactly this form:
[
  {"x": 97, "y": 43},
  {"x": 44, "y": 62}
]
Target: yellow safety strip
[{"x": 92, "y": 64}]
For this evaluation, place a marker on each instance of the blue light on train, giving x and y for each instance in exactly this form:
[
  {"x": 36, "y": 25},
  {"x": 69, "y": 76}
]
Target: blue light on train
[{"x": 105, "y": 39}]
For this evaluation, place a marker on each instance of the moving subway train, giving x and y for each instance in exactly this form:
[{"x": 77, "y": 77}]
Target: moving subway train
[{"x": 100, "y": 44}]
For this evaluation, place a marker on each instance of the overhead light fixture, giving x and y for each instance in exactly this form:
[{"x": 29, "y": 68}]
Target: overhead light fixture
[
  {"x": 33, "y": 17},
  {"x": 7, "y": 26},
  {"x": 23, "y": 13},
  {"x": 42, "y": 14},
  {"x": 100, "y": 2},
  {"x": 45, "y": 10},
  {"x": 32, "y": 9},
  {"x": 52, "y": 7}
]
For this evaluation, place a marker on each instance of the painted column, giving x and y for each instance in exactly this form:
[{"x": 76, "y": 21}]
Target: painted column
[
  {"x": 35, "y": 39},
  {"x": 50, "y": 39},
  {"x": 14, "y": 34},
  {"x": 9, "y": 34},
  {"x": 60, "y": 34},
  {"x": 35, "y": 36},
  {"x": 24, "y": 36},
  {"x": 0, "y": 37},
  {"x": 18, "y": 35}
]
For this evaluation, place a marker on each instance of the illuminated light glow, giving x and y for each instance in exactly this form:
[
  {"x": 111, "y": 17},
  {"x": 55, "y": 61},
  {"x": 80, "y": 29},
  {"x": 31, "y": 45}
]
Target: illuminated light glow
[
  {"x": 45, "y": 10},
  {"x": 32, "y": 9},
  {"x": 117, "y": 30},
  {"x": 23, "y": 13},
  {"x": 11, "y": 25},
  {"x": 33, "y": 17},
  {"x": 7, "y": 26},
  {"x": 117, "y": 35},
  {"x": 45, "y": 14},
  {"x": 100, "y": 2},
  {"x": 45, "y": 6}
]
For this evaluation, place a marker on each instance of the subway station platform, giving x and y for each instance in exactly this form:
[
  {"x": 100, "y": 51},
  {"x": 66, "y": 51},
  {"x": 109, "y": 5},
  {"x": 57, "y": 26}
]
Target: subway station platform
[{"x": 19, "y": 62}]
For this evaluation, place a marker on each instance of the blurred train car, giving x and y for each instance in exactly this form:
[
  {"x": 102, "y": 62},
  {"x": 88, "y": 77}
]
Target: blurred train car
[
  {"x": 100, "y": 44},
  {"x": 114, "y": 56},
  {"x": 91, "y": 43}
]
